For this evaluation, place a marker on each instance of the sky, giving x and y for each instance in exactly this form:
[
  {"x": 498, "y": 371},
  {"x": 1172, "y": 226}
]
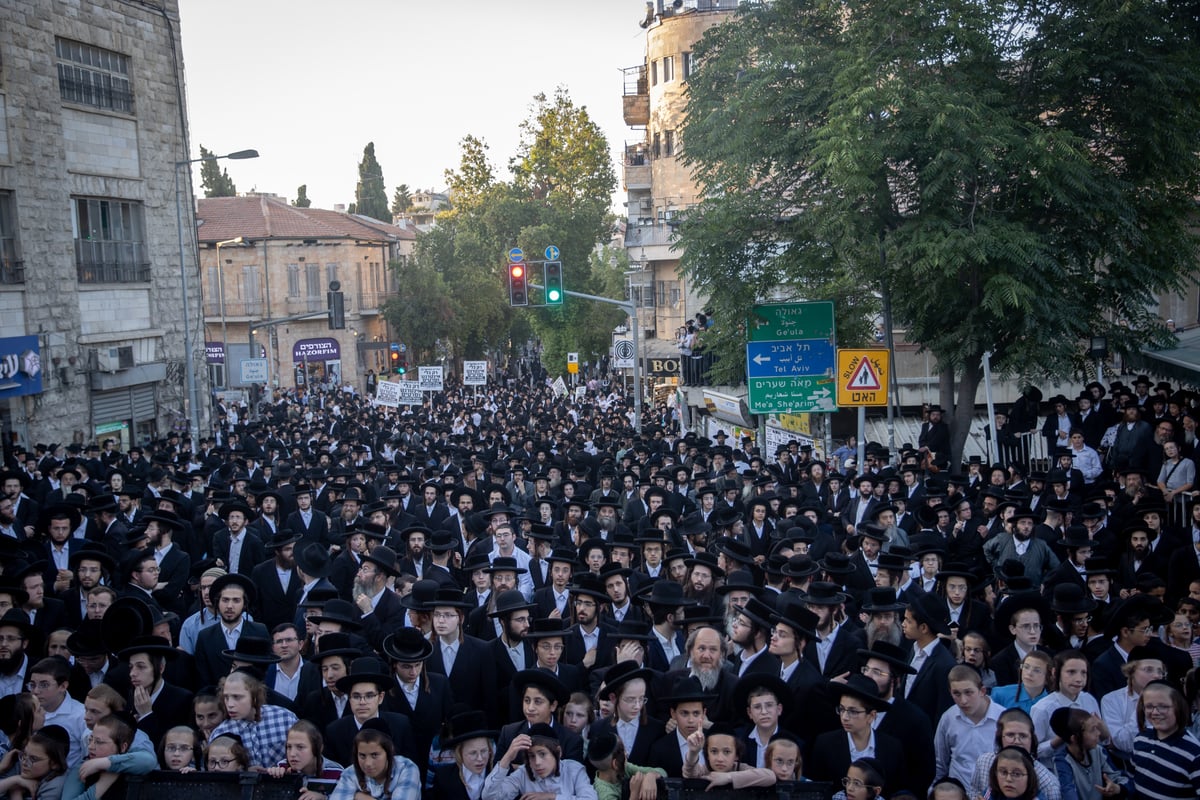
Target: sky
[{"x": 308, "y": 83}]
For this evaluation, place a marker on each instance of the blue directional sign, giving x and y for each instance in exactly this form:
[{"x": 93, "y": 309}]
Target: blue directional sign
[
  {"x": 788, "y": 358},
  {"x": 516, "y": 255},
  {"x": 552, "y": 253}
]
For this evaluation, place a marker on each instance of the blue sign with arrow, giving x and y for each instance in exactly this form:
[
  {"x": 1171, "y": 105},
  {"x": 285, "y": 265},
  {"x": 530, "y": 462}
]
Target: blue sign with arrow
[
  {"x": 516, "y": 255},
  {"x": 552, "y": 253},
  {"x": 789, "y": 358}
]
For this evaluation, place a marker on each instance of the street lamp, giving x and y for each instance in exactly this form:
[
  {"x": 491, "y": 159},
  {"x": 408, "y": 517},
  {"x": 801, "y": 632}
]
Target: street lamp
[
  {"x": 221, "y": 284},
  {"x": 189, "y": 363}
]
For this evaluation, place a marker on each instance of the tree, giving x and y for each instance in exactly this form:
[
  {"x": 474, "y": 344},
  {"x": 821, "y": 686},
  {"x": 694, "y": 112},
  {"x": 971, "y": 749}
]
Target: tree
[
  {"x": 215, "y": 181},
  {"x": 402, "y": 199},
  {"x": 370, "y": 199},
  {"x": 302, "y": 200},
  {"x": 1012, "y": 177}
]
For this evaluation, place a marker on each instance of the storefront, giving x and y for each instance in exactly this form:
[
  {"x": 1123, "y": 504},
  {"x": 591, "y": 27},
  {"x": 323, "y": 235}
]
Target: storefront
[{"x": 317, "y": 361}]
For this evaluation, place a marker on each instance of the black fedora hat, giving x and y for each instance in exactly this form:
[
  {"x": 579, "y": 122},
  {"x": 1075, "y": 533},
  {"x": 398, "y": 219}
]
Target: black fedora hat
[
  {"x": 823, "y": 593},
  {"x": 407, "y": 646},
  {"x": 735, "y": 550},
  {"x": 708, "y": 560},
  {"x": 586, "y": 583},
  {"x": 366, "y": 669},
  {"x": 510, "y": 602},
  {"x": 281, "y": 538},
  {"x": 622, "y": 673},
  {"x": 1070, "y": 598},
  {"x": 837, "y": 564},
  {"x": 88, "y": 639},
  {"x": 153, "y": 646},
  {"x": 861, "y": 688},
  {"x": 886, "y": 651},
  {"x": 664, "y": 594},
  {"x": 341, "y": 612},
  {"x": 422, "y": 595},
  {"x": 313, "y": 560},
  {"x": 237, "y": 505},
  {"x": 10, "y": 586},
  {"x": 17, "y": 618},
  {"x": 880, "y": 599},
  {"x": 548, "y": 628},
  {"x": 505, "y": 564},
  {"x": 688, "y": 690},
  {"x": 740, "y": 580},
  {"x": 232, "y": 579},
  {"x": 633, "y": 630},
  {"x": 1075, "y": 537},
  {"x": 383, "y": 557},
  {"x": 757, "y": 612},
  {"x": 543, "y": 680},
  {"x": 91, "y": 551},
  {"x": 441, "y": 541},
  {"x": 762, "y": 680},
  {"x": 931, "y": 610},
  {"x": 795, "y": 616},
  {"x": 335, "y": 644},
  {"x": 699, "y": 614},
  {"x": 800, "y": 566},
  {"x": 466, "y": 726},
  {"x": 252, "y": 650},
  {"x": 1031, "y": 600}
]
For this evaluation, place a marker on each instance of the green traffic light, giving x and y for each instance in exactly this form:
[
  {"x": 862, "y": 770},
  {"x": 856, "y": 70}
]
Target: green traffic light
[{"x": 553, "y": 296}]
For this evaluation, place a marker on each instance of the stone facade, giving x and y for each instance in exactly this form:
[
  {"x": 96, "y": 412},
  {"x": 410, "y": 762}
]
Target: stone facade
[
  {"x": 91, "y": 94},
  {"x": 282, "y": 270}
]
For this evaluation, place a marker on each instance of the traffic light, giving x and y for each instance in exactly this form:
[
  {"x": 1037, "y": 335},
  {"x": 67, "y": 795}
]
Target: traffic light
[
  {"x": 395, "y": 357},
  {"x": 552, "y": 280},
  {"x": 401, "y": 366},
  {"x": 337, "y": 306},
  {"x": 518, "y": 289}
]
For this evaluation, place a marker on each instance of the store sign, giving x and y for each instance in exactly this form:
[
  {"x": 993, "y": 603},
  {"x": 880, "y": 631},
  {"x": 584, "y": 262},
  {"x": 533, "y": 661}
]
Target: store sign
[
  {"x": 324, "y": 349},
  {"x": 662, "y": 367},
  {"x": 214, "y": 352},
  {"x": 20, "y": 366}
]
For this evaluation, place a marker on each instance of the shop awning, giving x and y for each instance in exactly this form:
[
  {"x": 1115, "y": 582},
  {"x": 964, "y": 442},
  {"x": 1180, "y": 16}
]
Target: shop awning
[{"x": 1180, "y": 363}]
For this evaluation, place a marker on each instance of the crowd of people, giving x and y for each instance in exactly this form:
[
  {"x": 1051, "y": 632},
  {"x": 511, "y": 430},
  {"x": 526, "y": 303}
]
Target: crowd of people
[{"x": 512, "y": 594}]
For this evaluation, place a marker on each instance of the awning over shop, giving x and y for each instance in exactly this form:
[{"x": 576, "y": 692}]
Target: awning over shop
[{"x": 1180, "y": 363}]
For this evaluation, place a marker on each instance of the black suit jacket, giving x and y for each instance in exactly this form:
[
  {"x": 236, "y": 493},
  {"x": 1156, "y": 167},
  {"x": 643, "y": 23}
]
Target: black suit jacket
[
  {"x": 210, "y": 643},
  {"x": 387, "y": 617},
  {"x": 273, "y": 605},
  {"x": 252, "y": 555},
  {"x": 930, "y": 691},
  {"x": 319, "y": 709},
  {"x": 174, "y": 570},
  {"x": 575, "y": 649},
  {"x": 830, "y": 758},
  {"x": 317, "y": 530},
  {"x": 50, "y": 616},
  {"x": 666, "y": 755},
  {"x": 842, "y": 657},
  {"x": 172, "y": 707},
  {"x": 913, "y": 729},
  {"x": 471, "y": 680},
  {"x": 310, "y": 681},
  {"x": 339, "y": 738},
  {"x": 434, "y": 701},
  {"x": 648, "y": 733}
]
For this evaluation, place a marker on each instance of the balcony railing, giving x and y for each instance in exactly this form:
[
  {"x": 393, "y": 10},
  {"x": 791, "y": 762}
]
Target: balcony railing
[
  {"x": 234, "y": 308},
  {"x": 111, "y": 262},
  {"x": 649, "y": 235},
  {"x": 371, "y": 301}
]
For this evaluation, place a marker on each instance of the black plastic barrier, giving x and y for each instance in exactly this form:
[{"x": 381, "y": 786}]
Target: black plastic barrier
[{"x": 211, "y": 786}]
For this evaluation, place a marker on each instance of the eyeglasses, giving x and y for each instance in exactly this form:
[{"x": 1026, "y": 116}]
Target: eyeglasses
[
  {"x": 10, "y": 639},
  {"x": 361, "y": 698},
  {"x": 43, "y": 686},
  {"x": 28, "y": 759},
  {"x": 1157, "y": 709},
  {"x": 177, "y": 748},
  {"x": 876, "y": 671},
  {"x": 1029, "y": 626},
  {"x": 585, "y": 603},
  {"x": 1142, "y": 631},
  {"x": 855, "y": 783},
  {"x": 850, "y": 712},
  {"x": 221, "y": 763},
  {"x": 1012, "y": 774},
  {"x": 445, "y": 615}
]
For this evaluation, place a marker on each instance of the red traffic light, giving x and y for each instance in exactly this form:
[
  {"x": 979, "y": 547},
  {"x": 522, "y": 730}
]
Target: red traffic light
[
  {"x": 395, "y": 356},
  {"x": 517, "y": 270}
]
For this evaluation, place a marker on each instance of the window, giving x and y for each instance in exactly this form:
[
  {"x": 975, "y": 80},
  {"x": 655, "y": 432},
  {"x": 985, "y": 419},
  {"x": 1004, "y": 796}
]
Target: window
[
  {"x": 12, "y": 268},
  {"x": 249, "y": 289},
  {"x": 312, "y": 280},
  {"x": 654, "y": 73},
  {"x": 668, "y": 72},
  {"x": 110, "y": 244},
  {"x": 656, "y": 146},
  {"x": 293, "y": 272},
  {"x": 688, "y": 64},
  {"x": 93, "y": 76},
  {"x": 669, "y": 143}
]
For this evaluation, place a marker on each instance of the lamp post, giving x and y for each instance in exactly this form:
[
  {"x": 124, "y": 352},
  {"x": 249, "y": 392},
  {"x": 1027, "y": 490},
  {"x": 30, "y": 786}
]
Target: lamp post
[
  {"x": 189, "y": 361},
  {"x": 221, "y": 285}
]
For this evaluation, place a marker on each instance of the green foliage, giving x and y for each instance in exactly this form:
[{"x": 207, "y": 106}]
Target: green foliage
[
  {"x": 559, "y": 195},
  {"x": 424, "y": 310},
  {"x": 302, "y": 200},
  {"x": 214, "y": 180},
  {"x": 401, "y": 199},
  {"x": 1016, "y": 177},
  {"x": 370, "y": 198}
]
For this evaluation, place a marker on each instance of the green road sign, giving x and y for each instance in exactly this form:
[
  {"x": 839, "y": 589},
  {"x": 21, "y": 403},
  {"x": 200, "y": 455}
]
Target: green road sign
[
  {"x": 793, "y": 395},
  {"x": 777, "y": 321}
]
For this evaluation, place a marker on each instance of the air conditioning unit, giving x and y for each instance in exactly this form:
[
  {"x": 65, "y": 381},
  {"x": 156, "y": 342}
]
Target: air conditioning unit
[
  {"x": 646, "y": 203},
  {"x": 111, "y": 359}
]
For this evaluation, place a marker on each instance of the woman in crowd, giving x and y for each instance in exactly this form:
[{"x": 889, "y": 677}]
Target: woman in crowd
[
  {"x": 181, "y": 748},
  {"x": 474, "y": 747},
  {"x": 225, "y": 754},
  {"x": 1012, "y": 776},
  {"x": 1071, "y": 671},
  {"x": 1166, "y": 758},
  {"x": 377, "y": 773},
  {"x": 209, "y": 714},
  {"x": 43, "y": 766},
  {"x": 20, "y": 715},
  {"x": 1037, "y": 681},
  {"x": 261, "y": 727},
  {"x": 1118, "y": 708},
  {"x": 304, "y": 757},
  {"x": 1014, "y": 728},
  {"x": 722, "y": 763},
  {"x": 109, "y": 758}
]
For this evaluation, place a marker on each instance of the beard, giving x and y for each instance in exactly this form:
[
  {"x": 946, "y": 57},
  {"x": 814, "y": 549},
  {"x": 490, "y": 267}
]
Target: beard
[
  {"x": 10, "y": 665},
  {"x": 876, "y": 632},
  {"x": 708, "y": 677},
  {"x": 607, "y": 524},
  {"x": 363, "y": 588}
]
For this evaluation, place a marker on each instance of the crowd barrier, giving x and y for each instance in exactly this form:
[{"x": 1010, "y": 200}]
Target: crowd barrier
[{"x": 257, "y": 786}]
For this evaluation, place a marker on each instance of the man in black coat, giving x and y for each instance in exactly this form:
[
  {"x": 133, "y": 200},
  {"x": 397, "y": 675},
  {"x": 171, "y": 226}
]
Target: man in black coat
[
  {"x": 424, "y": 697},
  {"x": 686, "y": 700},
  {"x": 159, "y": 705},
  {"x": 367, "y": 686},
  {"x": 547, "y": 695},
  {"x": 310, "y": 523},
  {"x": 464, "y": 660},
  {"x": 381, "y": 610},
  {"x": 649, "y": 730},
  {"x": 230, "y": 596},
  {"x": 279, "y": 585},
  {"x": 234, "y": 546},
  {"x": 840, "y": 637},
  {"x": 323, "y": 706},
  {"x": 925, "y": 620},
  {"x": 886, "y": 664}
]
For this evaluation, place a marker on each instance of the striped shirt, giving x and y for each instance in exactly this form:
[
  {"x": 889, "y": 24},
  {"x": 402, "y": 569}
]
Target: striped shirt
[{"x": 1165, "y": 769}]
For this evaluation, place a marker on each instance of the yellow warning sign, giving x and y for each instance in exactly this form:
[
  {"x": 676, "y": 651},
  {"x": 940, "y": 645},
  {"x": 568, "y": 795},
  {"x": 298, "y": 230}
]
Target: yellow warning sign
[{"x": 862, "y": 377}]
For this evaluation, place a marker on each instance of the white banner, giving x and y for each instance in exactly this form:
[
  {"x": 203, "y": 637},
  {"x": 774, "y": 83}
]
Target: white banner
[
  {"x": 559, "y": 387},
  {"x": 475, "y": 373},
  {"x": 387, "y": 394},
  {"x": 410, "y": 393},
  {"x": 430, "y": 379}
]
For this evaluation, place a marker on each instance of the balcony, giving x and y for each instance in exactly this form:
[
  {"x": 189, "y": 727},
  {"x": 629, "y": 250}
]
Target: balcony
[
  {"x": 637, "y": 167},
  {"x": 104, "y": 261},
  {"x": 371, "y": 302},
  {"x": 636, "y": 101},
  {"x": 235, "y": 308},
  {"x": 649, "y": 235}
]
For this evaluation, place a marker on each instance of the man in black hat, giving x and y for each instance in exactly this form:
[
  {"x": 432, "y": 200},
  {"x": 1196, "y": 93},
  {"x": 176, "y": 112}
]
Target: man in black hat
[
  {"x": 332, "y": 658},
  {"x": 234, "y": 546},
  {"x": 367, "y": 686},
  {"x": 380, "y": 606},
  {"x": 833, "y": 652},
  {"x": 751, "y": 633},
  {"x": 15, "y": 631},
  {"x": 859, "y": 508},
  {"x": 588, "y": 641},
  {"x": 159, "y": 706},
  {"x": 422, "y": 696},
  {"x": 174, "y": 564},
  {"x": 934, "y": 440},
  {"x": 464, "y": 660},
  {"x": 687, "y": 702},
  {"x": 887, "y": 665},
  {"x": 231, "y": 596},
  {"x": 925, "y": 620},
  {"x": 308, "y": 522},
  {"x": 13, "y": 484},
  {"x": 279, "y": 585}
]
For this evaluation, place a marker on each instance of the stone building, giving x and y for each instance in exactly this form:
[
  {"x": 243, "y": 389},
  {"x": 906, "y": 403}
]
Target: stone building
[
  {"x": 92, "y": 124},
  {"x": 273, "y": 284}
]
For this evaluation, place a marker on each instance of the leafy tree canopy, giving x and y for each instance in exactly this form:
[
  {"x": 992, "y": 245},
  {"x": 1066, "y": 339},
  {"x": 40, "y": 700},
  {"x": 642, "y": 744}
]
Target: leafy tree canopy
[
  {"x": 1016, "y": 177},
  {"x": 370, "y": 196}
]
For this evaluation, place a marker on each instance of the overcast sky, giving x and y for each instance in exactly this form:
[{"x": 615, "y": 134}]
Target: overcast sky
[{"x": 308, "y": 83}]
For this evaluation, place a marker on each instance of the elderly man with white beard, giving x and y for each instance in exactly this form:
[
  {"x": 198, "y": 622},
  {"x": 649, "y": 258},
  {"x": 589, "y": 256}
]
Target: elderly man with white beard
[
  {"x": 880, "y": 615},
  {"x": 705, "y": 649}
]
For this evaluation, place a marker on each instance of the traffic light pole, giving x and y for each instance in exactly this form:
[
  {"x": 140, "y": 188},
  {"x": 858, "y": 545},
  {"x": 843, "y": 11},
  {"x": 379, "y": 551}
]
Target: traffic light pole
[{"x": 631, "y": 310}]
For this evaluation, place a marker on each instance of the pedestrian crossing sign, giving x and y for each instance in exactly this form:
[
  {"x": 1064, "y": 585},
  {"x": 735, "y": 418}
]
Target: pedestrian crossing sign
[{"x": 862, "y": 377}]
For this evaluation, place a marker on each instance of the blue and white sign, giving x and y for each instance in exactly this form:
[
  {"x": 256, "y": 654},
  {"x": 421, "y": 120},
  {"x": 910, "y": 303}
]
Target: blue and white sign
[
  {"x": 20, "y": 366},
  {"x": 552, "y": 253},
  {"x": 780, "y": 359},
  {"x": 516, "y": 255}
]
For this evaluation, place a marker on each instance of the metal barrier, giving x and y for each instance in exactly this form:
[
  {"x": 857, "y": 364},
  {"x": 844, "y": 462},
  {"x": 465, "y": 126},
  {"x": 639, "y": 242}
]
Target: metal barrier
[
  {"x": 689, "y": 789},
  {"x": 212, "y": 786}
]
